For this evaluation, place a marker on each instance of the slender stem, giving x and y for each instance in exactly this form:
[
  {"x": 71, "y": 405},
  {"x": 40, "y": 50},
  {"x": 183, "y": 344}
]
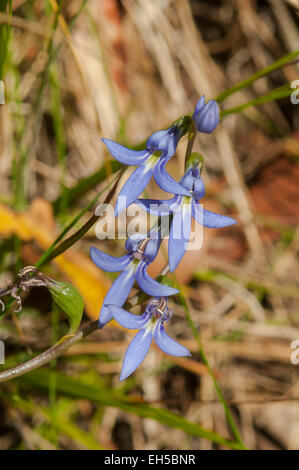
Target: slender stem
[
  {"x": 47, "y": 356},
  {"x": 205, "y": 361},
  {"x": 286, "y": 60},
  {"x": 191, "y": 140},
  {"x": 60, "y": 347},
  {"x": 275, "y": 94}
]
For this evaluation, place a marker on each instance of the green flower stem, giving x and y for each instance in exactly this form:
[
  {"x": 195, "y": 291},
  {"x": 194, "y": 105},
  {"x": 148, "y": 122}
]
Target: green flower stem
[
  {"x": 205, "y": 361},
  {"x": 261, "y": 73},
  {"x": 191, "y": 139}
]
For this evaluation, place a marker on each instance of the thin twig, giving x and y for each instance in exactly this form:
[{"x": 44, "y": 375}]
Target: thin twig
[{"x": 47, "y": 356}]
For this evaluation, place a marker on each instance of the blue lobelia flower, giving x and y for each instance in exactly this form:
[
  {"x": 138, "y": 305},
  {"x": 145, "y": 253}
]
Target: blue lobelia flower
[
  {"x": 206, "y": 116},
  {"x": 133, "y": 266},
  {"x": 150, "y": 325},
  {"x": 183, "y": 209},
  {"x": 160, "y": 147}
]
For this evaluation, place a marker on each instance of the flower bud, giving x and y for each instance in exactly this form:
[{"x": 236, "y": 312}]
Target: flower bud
[
  {"x": 207, "y": 119},
  {"x": 69, "y": 300}
]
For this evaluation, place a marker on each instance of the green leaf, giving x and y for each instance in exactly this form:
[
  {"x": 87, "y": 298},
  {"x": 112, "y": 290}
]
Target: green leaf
[{"x": 69, "y": 300}]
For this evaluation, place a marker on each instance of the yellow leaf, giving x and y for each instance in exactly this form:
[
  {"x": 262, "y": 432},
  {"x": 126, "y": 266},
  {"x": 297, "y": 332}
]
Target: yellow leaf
[{"x": 38, "y": 224}]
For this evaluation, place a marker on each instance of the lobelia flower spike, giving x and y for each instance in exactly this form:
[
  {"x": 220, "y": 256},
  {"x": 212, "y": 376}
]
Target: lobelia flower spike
[
  {"x": 160, "y": 147},
  {"x": 206, "y": 116},
  {"x": 150, "y": 325},
  {"x": 142, "y": 250},
  {"x": 183, "y": 209}
]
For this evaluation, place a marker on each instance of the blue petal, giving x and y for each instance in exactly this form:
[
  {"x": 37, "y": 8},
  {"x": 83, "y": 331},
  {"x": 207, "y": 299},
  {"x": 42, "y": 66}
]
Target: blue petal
[
  {"x": 152, "y": 248},
  {"x": 153, "y": 142},
  {"x": 210, "y": 219},
  {"x": 125, "y": 155},
  {"x": 208, "y": 119},
  {"x": 188, "y": 180},
  {"x": 198, "y": 188},
  {"x": 188, "y": 172},
  {"x": 193, "y": 182},
  {"x": 179, "y": 236},
  {"x": 108, "y": 263},
  {"x": 133, "y": 241},
  {"x": 159, "y": 207},
  {"x": 165, "y": 141},
  {"x": 136, "y": 352},
  {"x": 149, "y": 285},
  {"x": 169, "y": 146},
  {"x": 167, "y": 344},
  {"x": 117, "y": 294},
  {"x": 166, "y": 182},
  {"x": 200, "y": 105},
  {"x": 128, "y": 320},
  {"x": 133, "y": 187}
]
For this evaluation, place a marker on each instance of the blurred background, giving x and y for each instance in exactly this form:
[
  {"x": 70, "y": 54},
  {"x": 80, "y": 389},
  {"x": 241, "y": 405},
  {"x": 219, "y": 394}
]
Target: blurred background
[{"x": 76, "y": 71}]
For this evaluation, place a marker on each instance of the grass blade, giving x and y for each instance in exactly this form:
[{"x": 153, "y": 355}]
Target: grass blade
[
  {"x": 261, "y": 73},
  {"x": 88, "y": 183},
  {"x": 5, "y": 7},
  {"x": 276, "y": 94},
  {"x": 77, "y": 389},
  {"x": 205, "y": 361}
]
